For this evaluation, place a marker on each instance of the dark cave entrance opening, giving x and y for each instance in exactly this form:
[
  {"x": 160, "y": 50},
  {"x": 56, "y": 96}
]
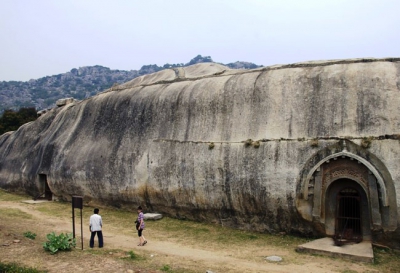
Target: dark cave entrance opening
[
  {"x": 44, "y": 188},
  {"x": 348, "y": 222}
]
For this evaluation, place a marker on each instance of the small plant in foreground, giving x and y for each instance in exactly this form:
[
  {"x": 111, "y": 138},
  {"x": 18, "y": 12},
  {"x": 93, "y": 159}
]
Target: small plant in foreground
[
  {"x": 30, "y": 235},
  {"x": 253, "y": 237},
  {"x": 166, "y": 268},
  {"x": 132, "y": 255},
  {"x": 60, "y": 242}
]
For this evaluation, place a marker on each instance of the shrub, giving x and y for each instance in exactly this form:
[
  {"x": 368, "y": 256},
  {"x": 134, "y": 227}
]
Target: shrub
[
  {"x": 314, "y": 142},
  {"x": 11, "y": 120},
  {"x": 366, "y": 142},
  {"x": 256, "y": 144},
  {"x": 60, "y": 242},
  {"x": 248, "y": 142}
]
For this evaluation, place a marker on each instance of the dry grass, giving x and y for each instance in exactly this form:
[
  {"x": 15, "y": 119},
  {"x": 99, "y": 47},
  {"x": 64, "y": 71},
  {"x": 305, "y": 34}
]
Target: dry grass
[{"x": 14, "y": 214}]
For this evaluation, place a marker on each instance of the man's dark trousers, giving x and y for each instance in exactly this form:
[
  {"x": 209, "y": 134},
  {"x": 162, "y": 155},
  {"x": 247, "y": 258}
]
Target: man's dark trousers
[{"x": 99, "y": 236}]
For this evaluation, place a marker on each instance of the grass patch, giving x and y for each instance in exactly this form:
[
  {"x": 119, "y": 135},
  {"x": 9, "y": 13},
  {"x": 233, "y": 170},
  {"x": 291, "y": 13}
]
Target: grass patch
[
  {"x": 133, "y": 256},
  {"x": 14, "y": 213},
  {"x": 239, "y": 244},
  {"x": 124, "y": 219},
  {"x": 386, "y": 260},
  {"x": 57, "y": 209},
  {"x": 15, "y": 268},
  {"x": 202, "y": 234},
  {"x": 6, "y": 196},
  {"x": 206, "y": 234},
  {"x": 30, "y": 235},
  {"x": 166, "y": 268}
]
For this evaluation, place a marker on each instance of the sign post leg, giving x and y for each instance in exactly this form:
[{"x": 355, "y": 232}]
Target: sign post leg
[{"x": 81, "y": 230}]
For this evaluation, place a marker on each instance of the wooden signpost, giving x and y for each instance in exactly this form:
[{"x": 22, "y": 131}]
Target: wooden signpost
[{"x": 77, "y": 203}]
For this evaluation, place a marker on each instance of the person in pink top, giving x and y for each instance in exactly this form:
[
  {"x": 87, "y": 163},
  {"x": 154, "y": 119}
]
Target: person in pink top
[{"x": 140, "y": 227}]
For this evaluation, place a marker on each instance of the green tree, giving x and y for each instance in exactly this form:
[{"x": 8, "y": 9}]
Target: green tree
[
  {"x": 200, "y": 59},
  {"x": 12, "y": 120}
]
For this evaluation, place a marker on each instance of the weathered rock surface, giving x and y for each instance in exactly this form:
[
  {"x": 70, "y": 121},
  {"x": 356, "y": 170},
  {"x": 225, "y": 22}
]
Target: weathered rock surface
[
  {"x": 274, "y": 258},
  {"x": 63, "y": 102},
  {"x": 148, "y": 142},
  {"x": 152, "y": 216}
]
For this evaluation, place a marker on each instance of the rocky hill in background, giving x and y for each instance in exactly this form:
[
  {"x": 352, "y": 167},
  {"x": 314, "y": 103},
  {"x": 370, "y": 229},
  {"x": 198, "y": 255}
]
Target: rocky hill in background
[{"x": 80, "y": 83}]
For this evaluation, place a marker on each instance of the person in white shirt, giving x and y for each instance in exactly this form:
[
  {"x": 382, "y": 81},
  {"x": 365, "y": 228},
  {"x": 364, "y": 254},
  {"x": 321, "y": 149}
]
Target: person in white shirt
[{"x": 95, "y": 225}]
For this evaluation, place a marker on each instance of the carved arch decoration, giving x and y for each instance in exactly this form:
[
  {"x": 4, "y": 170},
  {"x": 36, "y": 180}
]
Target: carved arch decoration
[
  {"x": 356, "y": 164},
  {"x": 348, "y": 154}
]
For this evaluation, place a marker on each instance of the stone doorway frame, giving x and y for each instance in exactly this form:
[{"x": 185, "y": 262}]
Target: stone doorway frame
[
  {"x": 366, "y": 171},
  {"x": 352, "y": 156}
]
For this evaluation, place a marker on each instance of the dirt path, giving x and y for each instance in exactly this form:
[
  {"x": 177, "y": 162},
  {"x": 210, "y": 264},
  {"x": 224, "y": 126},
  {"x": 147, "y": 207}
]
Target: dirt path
[{"x": 177, "y": 254}]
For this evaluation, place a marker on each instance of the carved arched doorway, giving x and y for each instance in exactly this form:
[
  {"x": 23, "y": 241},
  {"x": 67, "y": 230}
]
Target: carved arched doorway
[{"x": 344, "y": 175}]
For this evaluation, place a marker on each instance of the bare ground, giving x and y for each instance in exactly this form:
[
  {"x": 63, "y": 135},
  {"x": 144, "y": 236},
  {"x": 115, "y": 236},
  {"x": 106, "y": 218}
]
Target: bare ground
[{"x": 161, "y": 254}]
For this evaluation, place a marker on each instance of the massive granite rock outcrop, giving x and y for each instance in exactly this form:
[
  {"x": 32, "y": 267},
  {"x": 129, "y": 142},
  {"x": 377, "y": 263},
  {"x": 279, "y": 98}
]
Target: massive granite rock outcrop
[{"x": 269, "y": 149}]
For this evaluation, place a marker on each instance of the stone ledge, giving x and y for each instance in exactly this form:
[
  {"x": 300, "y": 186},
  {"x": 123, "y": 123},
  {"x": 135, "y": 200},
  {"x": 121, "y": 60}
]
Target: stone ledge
[{"x": 356, "y": 252}]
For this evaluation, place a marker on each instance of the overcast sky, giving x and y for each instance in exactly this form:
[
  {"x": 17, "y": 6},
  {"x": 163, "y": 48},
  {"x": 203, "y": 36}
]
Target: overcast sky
[{"x": 47, "y": 37}]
